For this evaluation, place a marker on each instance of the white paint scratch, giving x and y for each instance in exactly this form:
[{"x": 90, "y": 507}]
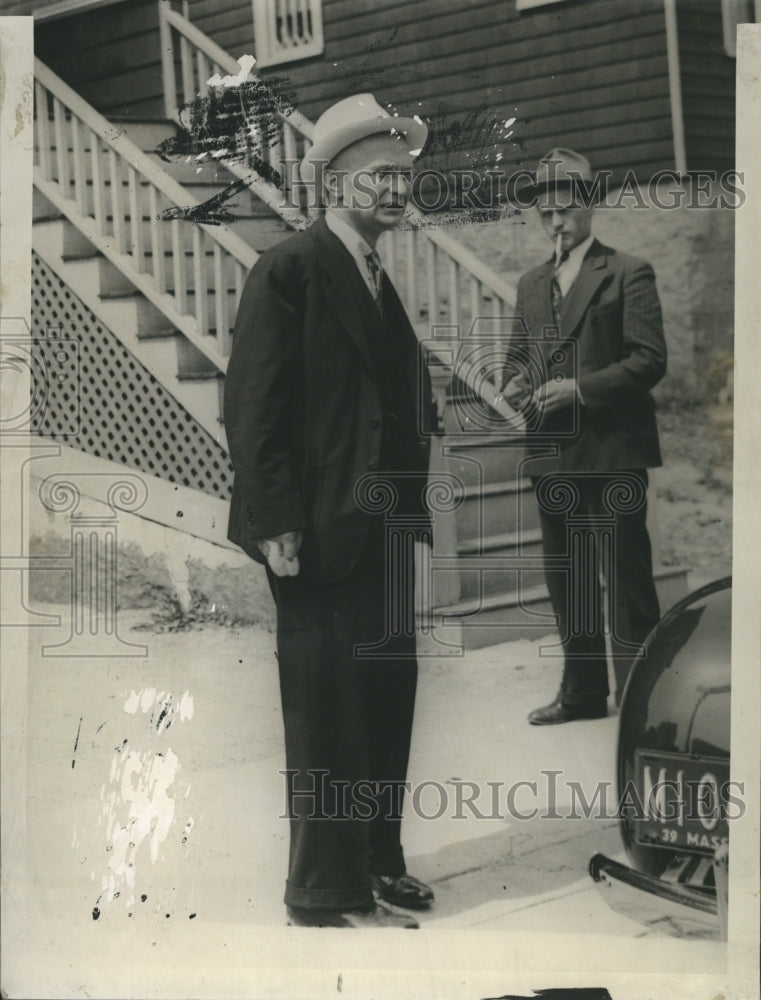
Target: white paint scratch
[
  {"x": 246, "y": 64},
  {"x": 138, "y": 803}
]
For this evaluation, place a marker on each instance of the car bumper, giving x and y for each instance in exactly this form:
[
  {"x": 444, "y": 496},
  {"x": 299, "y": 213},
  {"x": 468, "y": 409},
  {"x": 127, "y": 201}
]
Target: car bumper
[{"x": 682, "y": 911}]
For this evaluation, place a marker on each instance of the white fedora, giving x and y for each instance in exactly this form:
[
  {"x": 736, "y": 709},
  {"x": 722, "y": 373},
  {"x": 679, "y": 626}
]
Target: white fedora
[{"x": 350, "y": 120}]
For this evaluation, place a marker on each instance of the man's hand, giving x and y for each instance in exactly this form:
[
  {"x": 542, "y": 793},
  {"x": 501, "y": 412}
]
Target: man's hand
[
  {"x": 517, "y": 392},
  {"x": 554, "y": 395},
  {"x": 281, "y": 552}
]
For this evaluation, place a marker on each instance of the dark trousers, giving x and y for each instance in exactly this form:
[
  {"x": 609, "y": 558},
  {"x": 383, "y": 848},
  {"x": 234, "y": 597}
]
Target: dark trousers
[
  {"x": 594, "y": 527},
  {"x": 348, "y": 720}
]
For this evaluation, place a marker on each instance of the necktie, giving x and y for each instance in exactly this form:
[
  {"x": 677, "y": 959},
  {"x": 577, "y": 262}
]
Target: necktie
[
  {"x": 557, "y": 295},
  {"x": 375, "y": 270}
]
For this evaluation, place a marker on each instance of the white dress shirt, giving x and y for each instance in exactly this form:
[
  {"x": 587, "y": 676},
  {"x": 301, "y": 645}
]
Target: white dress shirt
[
  {"x": 568, "y": 271},
  {"x": 357, "y": 246}
]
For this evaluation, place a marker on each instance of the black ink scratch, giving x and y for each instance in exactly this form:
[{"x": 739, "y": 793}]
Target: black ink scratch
[
  {"x": 234, "y": 121},
  {"x": 209, "y": 213},
  {"x": 561, "y": 993},
  {"x": 76, "y": 742}
]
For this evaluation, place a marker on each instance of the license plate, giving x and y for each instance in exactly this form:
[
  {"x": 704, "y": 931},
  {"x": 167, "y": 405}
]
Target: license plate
[{"x": 684, "y": 801}]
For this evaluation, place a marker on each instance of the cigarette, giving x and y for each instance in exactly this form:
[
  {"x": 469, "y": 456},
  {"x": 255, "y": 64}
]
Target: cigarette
[{"x": 558, "y": 248}]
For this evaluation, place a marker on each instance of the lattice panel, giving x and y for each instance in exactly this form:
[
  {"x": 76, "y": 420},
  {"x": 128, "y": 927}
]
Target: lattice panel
[{"x": 99, "y": 398}]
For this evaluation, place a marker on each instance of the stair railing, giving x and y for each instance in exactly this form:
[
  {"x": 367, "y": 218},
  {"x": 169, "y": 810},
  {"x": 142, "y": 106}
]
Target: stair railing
[
  {"x": 440, "y": 280},
  {"x": 189, "y": 59},
  {"x": 119, "y": 199}
]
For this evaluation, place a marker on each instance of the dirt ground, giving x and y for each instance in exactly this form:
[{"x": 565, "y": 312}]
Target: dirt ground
[{"x": 694, "y": 490}]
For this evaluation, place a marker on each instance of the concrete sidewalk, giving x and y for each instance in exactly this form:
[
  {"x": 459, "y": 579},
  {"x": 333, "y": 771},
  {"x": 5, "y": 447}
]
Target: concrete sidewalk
[{"x": 156, "y": 838}]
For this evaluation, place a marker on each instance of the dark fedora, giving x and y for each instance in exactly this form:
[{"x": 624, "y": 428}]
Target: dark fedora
[{"x": 561, "y": 170}]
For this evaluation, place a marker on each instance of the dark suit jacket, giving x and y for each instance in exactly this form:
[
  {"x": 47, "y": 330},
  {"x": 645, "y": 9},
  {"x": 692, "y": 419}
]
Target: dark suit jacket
[
  {"x": 612, "y": 315},
  {"x": 302, "y": 406}
]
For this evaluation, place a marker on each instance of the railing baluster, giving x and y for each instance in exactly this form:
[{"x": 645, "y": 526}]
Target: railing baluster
[
  {"x": 410, "y": 241},
  {"x": 178, "y": 264},
  {"x": 203, "y": 73},
  {"x": 240, "y": 275},
  {"x": 186, "y": 66},
  {"x": 80, "y": 183},
  {"x": 454, "y": 292},
  {"x": 290, "y": 154},
  {"x": 61, "y": 148},
  {"x": 166, "y": 40},
  {"x": 136, "y": 220},
  {"x": 199, "y": 282},
  {"x": 275, "y": 154},
  {"x": 432, "y": 281},
  {"x": 98, "y": 185},
  {"x": 475, "y": 298},
  {"x": 157, "y": 240},
  {"x": 43, "y": 131},
  {"x": 220, "y": 297},
  {"x": 116, "y": 202}
]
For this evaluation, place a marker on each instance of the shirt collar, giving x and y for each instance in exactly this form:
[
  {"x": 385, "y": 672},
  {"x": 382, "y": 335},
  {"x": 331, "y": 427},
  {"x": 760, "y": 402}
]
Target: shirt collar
[
  {"x": 579, "y": 252},
  {"x": 357, "y": 245}
]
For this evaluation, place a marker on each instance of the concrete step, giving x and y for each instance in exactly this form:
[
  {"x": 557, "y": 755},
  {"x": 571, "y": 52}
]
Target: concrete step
[
  {"x": 527, "y": 613},
  {"x": 496, "y": 508},
  {"x": 481, "y": 459},
  {"x": 493, "y": 570}
]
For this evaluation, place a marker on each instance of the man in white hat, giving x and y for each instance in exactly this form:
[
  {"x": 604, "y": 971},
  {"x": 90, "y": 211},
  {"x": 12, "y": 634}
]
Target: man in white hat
[
  {"x": 595, "y": 337},
  {"x": 326, "y": 405}
]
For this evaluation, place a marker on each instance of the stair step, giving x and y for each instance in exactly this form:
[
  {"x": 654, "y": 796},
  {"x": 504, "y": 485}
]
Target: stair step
[
  {"x": 495, "y": 572},
  {"x": 127, "y": 293},
  {"x": 147, "y": 132},
  {"x": 199, "y": 376},
  {"x": 478, "y": 461},
  {"x": 496, "y": 509},
  {"x": 503, "y": 488},
  {"x": 69, "y": 258},
  {"x": 498, "y": 543},
  {"x": 496, "y": 618},
  {"x": 158, "y": 333}
]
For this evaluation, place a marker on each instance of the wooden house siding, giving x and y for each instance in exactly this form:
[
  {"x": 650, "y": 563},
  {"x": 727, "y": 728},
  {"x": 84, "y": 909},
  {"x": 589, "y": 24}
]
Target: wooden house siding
[
  {"x": 708, "y": 87},
  {"x": 110, "y": 56},
  {"x": 592, "y": 74},
  {"x": 586, "y": 73}
]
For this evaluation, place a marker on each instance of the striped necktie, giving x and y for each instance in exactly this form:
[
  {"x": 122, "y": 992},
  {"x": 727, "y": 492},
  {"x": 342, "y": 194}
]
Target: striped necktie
[
  {"x": 375, "y": 271},
  {"x": 557, "y": 295}
]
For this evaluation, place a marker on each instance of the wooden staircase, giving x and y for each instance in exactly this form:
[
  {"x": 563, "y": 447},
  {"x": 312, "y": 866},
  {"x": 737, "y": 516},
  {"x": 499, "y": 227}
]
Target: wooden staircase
[{"x": 169, "y": 291}]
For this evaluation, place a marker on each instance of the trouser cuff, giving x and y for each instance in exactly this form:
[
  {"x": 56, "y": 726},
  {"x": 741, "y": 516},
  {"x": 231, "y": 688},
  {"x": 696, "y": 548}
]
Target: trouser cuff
[{"x": 360, "y": 898}]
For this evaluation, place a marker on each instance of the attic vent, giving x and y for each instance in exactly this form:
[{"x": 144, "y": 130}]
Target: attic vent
[{"x": 286, "y": 30}]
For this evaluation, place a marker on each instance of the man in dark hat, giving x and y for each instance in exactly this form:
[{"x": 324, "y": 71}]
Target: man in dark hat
[
  {"x": 326, "y": 401},
  {"x": 593, "y": 346}
]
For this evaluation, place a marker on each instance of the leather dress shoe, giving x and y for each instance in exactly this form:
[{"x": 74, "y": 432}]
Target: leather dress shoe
[
  {"x": 558, "y": 711},
  {"x": 376, "y": 916},
  {"x": 402, "y": 890}
]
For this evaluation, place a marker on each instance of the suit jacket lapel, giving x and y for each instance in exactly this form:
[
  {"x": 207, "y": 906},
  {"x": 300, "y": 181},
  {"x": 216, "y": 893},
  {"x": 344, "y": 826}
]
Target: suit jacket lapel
[
  {"x": 394, "y": 311},
  {"x": 343, "y": 292},
  {"x": 591, "y": 274},
  {"x": 539, "y": 301}
]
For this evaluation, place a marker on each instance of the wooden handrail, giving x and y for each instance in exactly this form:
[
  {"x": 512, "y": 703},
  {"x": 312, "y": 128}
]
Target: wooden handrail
[
  {"x": 463, "y": 255},
  {"x": 136, "y": 158},
  {"x": 267, "y": 192},
  {"x": 223, "y": 59}
]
